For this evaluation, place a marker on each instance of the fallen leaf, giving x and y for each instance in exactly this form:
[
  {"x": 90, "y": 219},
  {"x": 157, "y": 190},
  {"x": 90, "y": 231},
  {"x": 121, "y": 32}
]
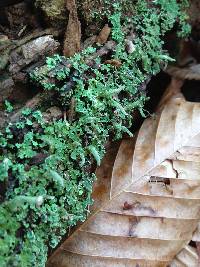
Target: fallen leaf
[
  {"x": 188, "y": 73},
  {"x": 114, "y": 62},
  {"x": 198, "y": 251},
  {"x": 150, "y": 206},
  {"x": 187, "y": 257}
]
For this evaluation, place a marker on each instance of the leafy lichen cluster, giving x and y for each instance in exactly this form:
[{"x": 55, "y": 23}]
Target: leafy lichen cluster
[{"x": 45, "y": 167}]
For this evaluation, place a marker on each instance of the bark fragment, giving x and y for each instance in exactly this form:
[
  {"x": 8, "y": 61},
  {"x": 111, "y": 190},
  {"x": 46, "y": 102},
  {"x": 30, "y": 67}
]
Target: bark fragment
[{"x": 72, "y": 43}]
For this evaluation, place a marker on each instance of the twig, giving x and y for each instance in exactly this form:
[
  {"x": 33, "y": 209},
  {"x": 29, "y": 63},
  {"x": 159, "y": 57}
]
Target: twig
[{"x": 71, "y": 112}]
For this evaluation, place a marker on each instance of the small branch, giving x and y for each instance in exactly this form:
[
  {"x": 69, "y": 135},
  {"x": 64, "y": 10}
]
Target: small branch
[{"x": 71, "y": 112}]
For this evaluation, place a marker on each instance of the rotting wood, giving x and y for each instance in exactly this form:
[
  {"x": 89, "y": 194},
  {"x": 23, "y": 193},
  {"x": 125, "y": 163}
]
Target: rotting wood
[
  {"x": 33, "y": 104},
  {"x": 90, "y": 60},
  {"x": 10, "y": 45}
]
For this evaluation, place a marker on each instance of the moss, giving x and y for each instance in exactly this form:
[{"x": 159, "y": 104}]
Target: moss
[{"x": 54, "y": 10}]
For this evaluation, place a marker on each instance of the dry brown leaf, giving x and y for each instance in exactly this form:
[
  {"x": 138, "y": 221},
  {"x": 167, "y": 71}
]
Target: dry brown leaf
[
  {"x": 72, "y": 42},
  {"x": 188, "y": 257},
  {"x": 198, "y": 251},
  {"x": 114, "y": 62},
  {"x": 103, "y": 35},
  {"x": 171, "y": 92},
  {"x": 149, "y": 209},
  {"x": 196, "y": 239},
  {"x": 187, "y": 73},
  {"x": 196, "y": 235}
]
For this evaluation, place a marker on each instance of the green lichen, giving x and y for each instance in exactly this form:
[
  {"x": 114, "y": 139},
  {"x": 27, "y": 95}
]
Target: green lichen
[{"x": 46, "y": 167}]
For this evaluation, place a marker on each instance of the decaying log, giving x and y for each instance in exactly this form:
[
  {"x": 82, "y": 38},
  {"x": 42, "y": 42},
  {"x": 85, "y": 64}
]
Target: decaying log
[
  {"x": 19, "y": 58},
  {"x": 90, "y": 60},
  {"x": 32, "y": 51},
  {"x": 35, "y": 103},
  {"x": 8, "y": 46}
]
